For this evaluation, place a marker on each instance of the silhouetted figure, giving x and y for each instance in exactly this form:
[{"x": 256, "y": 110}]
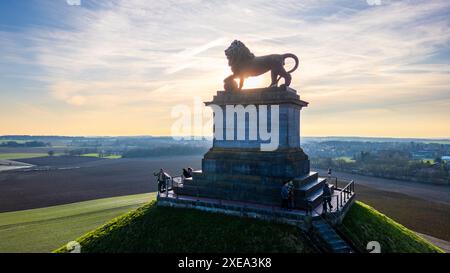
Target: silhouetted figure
[
  {"x": 162, "y": 178},
  {"x": 326, "y": 197},
  {"x": 187, "y": 173},
  {"x": 291, "y": 195},
  {"x": 285, "y": 196}
]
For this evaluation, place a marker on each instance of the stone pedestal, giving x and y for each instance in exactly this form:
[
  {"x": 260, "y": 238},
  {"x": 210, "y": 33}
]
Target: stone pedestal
[{"x": 251, "y": 167}]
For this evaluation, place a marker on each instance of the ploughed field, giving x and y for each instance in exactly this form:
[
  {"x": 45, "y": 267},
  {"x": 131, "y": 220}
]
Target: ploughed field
[{"x": 62, "y": 180}]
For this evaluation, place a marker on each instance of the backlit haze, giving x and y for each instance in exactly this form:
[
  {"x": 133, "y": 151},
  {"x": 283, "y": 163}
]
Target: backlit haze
[{"x": 368, "y": 68}]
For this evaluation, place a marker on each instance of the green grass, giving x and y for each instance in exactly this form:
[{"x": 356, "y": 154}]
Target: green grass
[
  {"x": 363, "y": 224},
  {"x": 12, "y": 156},
  {"x": 162, "y": 229},
  {"x": 44, "y": 229},
  {"x": 97, "y": 155},
  {"x": 431, "y": 160},
  {"x": 9, "y": 140},
  {"x": 167, "y": 230},
  {"x": 347, "y": 159}
]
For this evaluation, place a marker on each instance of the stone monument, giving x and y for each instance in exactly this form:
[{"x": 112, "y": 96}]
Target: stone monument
[{"x": 256, "y": 146}]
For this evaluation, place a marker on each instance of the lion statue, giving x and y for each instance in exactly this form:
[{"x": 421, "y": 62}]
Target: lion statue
[{"x": 245, "y": 64}]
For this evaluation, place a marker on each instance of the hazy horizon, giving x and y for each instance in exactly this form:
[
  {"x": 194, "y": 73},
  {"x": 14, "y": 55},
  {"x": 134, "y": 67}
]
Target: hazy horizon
[{"x": 168, "y": 136}]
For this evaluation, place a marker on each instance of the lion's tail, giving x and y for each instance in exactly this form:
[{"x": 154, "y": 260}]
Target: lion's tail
[{"x": 290, "y": 55}]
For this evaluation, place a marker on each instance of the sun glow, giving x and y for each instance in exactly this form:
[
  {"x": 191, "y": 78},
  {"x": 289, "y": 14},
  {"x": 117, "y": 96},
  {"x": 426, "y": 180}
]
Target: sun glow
[
  {"x": 255, "y": 82},
  {"x": 250, "y": 82}
]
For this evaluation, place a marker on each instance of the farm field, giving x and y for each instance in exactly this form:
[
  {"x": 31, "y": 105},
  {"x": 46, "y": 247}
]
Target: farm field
[
  {"x": 44, "y": 229},
  {"x": 346, "y": 158},
  {"x": 97, "y": 155},
  {"x": 20, "y": 155},
  {"x": 75, "y": 179},
  {"x": 430, "y": 218}
]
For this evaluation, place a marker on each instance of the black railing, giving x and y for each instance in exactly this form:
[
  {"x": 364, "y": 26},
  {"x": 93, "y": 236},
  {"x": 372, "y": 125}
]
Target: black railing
[
  {"x": 171, "y": 184},
  {"x": 342, "y": 197},
  {"x": 330, "y": 180},
  {"x": 345, "y": 194}
]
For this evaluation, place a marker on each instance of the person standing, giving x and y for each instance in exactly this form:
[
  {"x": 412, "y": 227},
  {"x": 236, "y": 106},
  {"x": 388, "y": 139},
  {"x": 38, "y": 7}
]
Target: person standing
[
  {"x": 162, "y": 180},
  {"x": 326, "y": 196},
  {"x": 291, "y": 195},
  {"x": 285, "y": 196}
]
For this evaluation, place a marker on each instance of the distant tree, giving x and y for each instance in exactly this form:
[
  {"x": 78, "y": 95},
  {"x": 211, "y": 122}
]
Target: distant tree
[{"x": 51, "y": 153}]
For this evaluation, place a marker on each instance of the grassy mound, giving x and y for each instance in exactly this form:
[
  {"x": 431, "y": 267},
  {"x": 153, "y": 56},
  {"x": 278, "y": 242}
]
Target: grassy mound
[
  {"x": 162, "y": 229},
  {"x": 363, "y": 224}
]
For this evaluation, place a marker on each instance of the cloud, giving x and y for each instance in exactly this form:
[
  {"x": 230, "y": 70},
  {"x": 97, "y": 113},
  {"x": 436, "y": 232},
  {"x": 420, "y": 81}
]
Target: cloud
[{"x": 129, "y": 53}]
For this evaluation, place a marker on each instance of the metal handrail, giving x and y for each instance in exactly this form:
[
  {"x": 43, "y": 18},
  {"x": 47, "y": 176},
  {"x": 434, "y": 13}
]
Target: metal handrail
[
  {"x": 335, "y": 180},
  {"x": 349, "y": 189},
  {"x": 170, "y": 185}
]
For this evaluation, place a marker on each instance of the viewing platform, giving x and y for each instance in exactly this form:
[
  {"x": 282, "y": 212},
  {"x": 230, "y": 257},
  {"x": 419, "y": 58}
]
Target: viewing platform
[{"x": 341, "y": 200}]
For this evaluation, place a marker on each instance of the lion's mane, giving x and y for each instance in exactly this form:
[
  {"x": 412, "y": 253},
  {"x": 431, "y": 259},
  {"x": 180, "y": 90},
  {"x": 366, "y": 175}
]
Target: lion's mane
[{"x": 238, "y": 54}]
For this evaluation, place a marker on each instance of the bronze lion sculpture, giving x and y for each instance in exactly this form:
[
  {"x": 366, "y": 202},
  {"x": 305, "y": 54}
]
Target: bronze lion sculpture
[{"x": 245, "y": 64}]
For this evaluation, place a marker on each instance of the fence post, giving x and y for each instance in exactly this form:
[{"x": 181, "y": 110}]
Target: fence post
[{"x": 337, "y": 203}]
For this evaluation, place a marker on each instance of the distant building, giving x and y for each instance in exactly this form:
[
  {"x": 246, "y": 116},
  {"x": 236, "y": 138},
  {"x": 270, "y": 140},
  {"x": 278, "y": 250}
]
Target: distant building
[
  {"x": 422, "y": 154},
  {"x": 446, "y": 159}
]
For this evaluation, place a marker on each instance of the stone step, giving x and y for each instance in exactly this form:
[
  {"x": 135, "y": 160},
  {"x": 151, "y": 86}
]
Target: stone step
[
  {"x": 338, "y": 244},
  {"x": 330, "y": 234},
  {"x": 311, "y": 187},
  {"x": 330, "y": 237},
  {"x": 305, "y": 179},
  {"x": 343, "y": 250},
  {"x": 315, "y": 197}
]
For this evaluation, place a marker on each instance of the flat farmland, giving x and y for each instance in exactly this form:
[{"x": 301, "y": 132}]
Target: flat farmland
[
  {"x": 75, "y": 179},
  {"x": 31, "y": 150},
  {"x": 12, "y": 156}
]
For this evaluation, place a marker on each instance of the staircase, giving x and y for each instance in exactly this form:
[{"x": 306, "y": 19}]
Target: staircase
[
  {"x": 330, "y": 238},
  {"x": 308, "y": 190}
]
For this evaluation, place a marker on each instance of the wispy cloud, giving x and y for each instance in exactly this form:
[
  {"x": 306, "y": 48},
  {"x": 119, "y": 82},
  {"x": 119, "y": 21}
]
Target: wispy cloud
[{"x": 151, "y": 55}]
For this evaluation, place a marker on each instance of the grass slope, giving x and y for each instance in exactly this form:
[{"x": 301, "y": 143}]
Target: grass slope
[
  {"x": 44, "y": 229},
  {"x": 363, "y": 224},
  {"x": 163, "y": 229}
]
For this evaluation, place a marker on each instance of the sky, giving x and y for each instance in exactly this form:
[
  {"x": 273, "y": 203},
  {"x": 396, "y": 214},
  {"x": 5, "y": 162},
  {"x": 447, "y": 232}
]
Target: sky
[{"x": 85, "y": 67}]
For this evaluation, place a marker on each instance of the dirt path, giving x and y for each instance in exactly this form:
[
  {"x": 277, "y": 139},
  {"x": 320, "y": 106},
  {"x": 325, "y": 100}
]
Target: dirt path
[
  {"x": 444, "y": 245},
  {"x": 8, "y": 165}
]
